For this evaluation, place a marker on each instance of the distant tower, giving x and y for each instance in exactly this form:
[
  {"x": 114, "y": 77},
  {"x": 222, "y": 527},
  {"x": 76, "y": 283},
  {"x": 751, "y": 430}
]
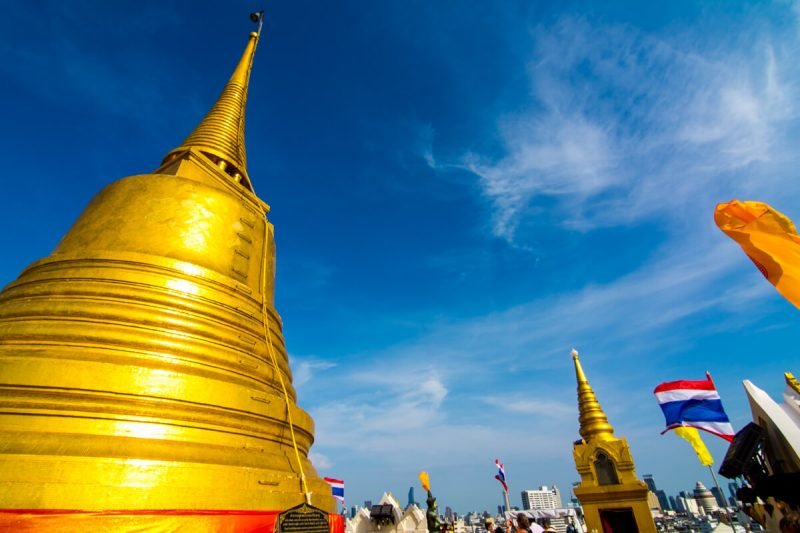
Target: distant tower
[
  {"x": 609, "y": 490},
  {"x": 705, "y": 498},
  {"x": 719, "y": 496},
  {"x": 663, "y": 500},
  {"x": 557, "y": 498},
  {"x": 732, "y": 488},
  {"x": 411, "y": 497},
  {"x": 673, "y": 504}
]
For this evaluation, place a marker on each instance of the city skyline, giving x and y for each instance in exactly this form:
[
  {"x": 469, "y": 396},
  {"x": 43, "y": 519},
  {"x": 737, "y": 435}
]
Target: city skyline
[
  {"x": 566, "y": 503},
  {"x": 460, "y": 197}
]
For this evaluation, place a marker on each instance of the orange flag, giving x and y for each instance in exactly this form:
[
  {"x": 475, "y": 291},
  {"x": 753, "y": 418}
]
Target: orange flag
[{"x": 769, "y": 239}]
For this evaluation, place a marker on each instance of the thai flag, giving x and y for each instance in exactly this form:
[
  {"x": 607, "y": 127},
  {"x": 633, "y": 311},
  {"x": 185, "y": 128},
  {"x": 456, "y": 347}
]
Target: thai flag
[
  {"x": 337, "y": 488},
  {"x": 694, "y": 404},
  {"x": 501, "y": 474}
]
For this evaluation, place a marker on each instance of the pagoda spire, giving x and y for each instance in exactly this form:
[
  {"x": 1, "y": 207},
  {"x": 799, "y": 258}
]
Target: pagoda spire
[
  {"x": 220, "y": 135},
  {"x": 594, "y": 422}
]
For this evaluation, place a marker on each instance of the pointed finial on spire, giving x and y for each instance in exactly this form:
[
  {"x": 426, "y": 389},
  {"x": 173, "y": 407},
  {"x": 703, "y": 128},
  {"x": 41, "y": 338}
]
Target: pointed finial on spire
[
  {"x": 594, "y": 423},
  {"x": 220, "y": 135}
]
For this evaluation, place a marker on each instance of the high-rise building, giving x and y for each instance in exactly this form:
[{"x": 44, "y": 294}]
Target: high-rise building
[
  {"x": 686, "y": 503},
  {"x": 541, "y": 498},
  {"x": 609, "y": 491},
  {"x": 573, "y": 500},
  {"x": 680, "y": 504},
  {"x": 448, "y": 513},
  {"x": 660, "y": 495},
  {"x": 368, "y": 504},
  {"x": 673, "y": 504},
  {"x": 663, "y": 501},
  {"x": 353, "y": 511},
  {"x": 732, "y": 488},
  {"x": 557, "y": 497},
  {"x": 501, "y": 510},
  {"x": 719, "y": 496}
]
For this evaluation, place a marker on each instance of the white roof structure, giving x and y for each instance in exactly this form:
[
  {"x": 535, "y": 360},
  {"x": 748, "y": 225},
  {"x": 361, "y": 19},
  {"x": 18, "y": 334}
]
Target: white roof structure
[{"x": 781, "y": 421}]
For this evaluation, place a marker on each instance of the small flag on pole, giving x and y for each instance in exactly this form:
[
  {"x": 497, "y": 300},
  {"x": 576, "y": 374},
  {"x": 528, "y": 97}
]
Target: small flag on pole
[
  {"x": 501, "y": 474},
  {"x": 694, "y": 404},
  {"x": 337, "y": 488}
]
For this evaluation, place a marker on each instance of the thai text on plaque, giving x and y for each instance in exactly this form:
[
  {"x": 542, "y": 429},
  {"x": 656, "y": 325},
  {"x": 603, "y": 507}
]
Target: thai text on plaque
[{"x": 303, "y": 519}]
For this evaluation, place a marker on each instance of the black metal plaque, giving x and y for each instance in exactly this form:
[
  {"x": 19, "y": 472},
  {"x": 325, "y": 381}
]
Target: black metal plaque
[{"x": 303, "y": 519}]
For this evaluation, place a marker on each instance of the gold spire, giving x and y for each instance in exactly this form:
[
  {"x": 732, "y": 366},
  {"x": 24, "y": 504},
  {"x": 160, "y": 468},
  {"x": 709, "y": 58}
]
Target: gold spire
[
  {"x": 594, "y": 423},
  {"x": 220, "y": 134}
]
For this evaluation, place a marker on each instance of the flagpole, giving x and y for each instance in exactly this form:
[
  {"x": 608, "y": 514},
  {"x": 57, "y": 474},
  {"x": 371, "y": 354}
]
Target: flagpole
[
  {"x": 508, "y": 503},
  {"x": 722, "y": 495},
  {"x": 714, "y": 476}
]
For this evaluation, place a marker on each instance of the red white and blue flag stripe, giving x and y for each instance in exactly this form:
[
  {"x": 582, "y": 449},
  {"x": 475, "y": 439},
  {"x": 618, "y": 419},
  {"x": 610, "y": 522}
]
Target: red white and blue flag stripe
[
  {"x": 337, "y": 488},
  {"x": 694, "y": 404},
  {"x": 501, "y": 474}
]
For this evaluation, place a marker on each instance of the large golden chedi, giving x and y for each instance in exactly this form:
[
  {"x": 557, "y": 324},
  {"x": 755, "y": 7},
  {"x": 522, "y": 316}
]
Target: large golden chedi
[{"x": 142, "y": 364}]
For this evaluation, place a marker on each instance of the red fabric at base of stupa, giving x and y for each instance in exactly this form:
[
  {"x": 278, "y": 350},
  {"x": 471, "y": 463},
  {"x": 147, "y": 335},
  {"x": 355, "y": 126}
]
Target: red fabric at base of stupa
[{"x": 24, "y": 520}]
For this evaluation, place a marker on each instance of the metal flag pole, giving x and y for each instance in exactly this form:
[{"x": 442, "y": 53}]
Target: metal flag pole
[
  {"x": 722, "y": 495},
  {"x": 714, "y": 476}
]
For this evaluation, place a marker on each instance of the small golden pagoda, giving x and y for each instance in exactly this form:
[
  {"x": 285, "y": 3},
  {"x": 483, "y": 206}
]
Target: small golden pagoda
[
  {"x": 613, "y": 498},
  {"x": 142, "y": 364}
]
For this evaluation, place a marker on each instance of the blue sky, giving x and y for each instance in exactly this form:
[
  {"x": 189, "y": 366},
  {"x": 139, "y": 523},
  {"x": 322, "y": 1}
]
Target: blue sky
[{"x": 462, "y": 192}]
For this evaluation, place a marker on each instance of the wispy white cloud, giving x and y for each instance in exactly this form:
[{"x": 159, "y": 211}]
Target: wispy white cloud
[
  {"x": 305, "y": 368},
  {"x": 384, "y": 403},
  {"x": 320, "y": 461},
  {"x": 553, "y": 155},
  {"x": 620, "y": 121},
  {"x": 531, "y": 404}
]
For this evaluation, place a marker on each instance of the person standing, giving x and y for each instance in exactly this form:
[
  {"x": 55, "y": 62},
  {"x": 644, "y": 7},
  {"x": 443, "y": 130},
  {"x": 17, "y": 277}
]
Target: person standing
[{"x": 523, "y": 524}]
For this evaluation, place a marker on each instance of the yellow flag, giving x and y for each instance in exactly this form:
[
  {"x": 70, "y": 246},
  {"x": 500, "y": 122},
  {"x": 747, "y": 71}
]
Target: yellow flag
[
  {"x": 425, "y": 480},
  {"x": 693, "y": 436},
  {"x": 769, "y": 239}
]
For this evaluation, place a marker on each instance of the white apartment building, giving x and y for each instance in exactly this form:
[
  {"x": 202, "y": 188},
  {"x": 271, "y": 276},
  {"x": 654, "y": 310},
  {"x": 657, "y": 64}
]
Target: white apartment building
[{"x": 541, "y": 498}]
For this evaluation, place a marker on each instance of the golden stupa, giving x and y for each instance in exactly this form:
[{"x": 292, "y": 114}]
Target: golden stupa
[
  {"x": 612, "y": 497},
  {"x": 142, "y": 364}
]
